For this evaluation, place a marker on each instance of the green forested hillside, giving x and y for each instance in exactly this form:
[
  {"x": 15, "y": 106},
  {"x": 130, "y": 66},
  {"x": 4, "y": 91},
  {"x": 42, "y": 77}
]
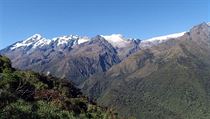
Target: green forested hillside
[
  {"x": 29, "y": 95},
  {"x": 167, "y": 81}
]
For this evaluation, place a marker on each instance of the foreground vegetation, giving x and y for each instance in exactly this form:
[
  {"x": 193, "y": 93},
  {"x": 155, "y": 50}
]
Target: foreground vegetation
[{"x": 29, "y": 95}]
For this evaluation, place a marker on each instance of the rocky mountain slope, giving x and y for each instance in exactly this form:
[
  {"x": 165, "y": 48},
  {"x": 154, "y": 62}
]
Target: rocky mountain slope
[
  {"x": 75, "y": 57},
  {"x": 170, "y": 80},
  {"x": 71, "y": 57}
]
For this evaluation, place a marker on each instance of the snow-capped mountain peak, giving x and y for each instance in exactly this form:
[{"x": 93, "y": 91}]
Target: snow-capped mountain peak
[
  {"x": 166, "y": 37},
  {"x": 83, "y": 39},
  {"x": 160, "y": 39},
  {"x": 69, "y": 39},
  {"x": 117, "y": 40},
  {"x": 37, "y": 36},
  {"x": 64, "y": 39},
  {"x": 35, "y": 40}
]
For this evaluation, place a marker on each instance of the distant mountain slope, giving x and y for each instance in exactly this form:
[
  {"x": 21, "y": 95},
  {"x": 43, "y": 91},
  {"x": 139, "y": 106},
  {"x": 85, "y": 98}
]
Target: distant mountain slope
[
  {"x": 72, "y": 57},
  {"x": 170, "y": 80},
  {"x": 73, "y": 63},
  {"x": 75, "y": 57},
  {"x": 33, "y": 96}
]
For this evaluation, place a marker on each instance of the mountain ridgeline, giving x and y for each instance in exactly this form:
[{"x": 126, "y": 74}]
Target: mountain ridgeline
[
  {"x": 167, "y": 81},
  {"x": 165, "y": 77},
  {"x": 64, "y": 57}
]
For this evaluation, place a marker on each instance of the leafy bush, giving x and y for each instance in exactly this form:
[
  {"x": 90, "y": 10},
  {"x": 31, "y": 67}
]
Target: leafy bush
[{"x": 25, "y": 94}]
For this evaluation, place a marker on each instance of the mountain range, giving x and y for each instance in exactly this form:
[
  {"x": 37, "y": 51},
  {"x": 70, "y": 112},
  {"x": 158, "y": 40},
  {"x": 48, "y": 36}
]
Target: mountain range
[
  {"x": 167, "y": 81},
  {"x": 70, "y": 57},
  {"x": 75, "y": 57},
  {"x": 165, "y": 77}
]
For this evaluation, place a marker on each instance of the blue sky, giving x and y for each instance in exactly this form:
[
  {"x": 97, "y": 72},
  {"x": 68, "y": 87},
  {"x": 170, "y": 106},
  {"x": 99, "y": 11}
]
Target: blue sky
[{"x": 142, "y": 19}]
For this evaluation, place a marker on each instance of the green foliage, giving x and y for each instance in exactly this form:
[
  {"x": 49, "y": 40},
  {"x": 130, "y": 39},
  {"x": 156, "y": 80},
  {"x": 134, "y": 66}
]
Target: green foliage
[
  {"x": 25, "y": 94},
  {"x": 5, "y": 64}
]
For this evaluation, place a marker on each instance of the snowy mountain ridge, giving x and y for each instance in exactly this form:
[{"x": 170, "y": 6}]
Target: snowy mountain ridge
[
  {"x": 160, "y": 39},
  {"x": 117, "y": 40}
]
